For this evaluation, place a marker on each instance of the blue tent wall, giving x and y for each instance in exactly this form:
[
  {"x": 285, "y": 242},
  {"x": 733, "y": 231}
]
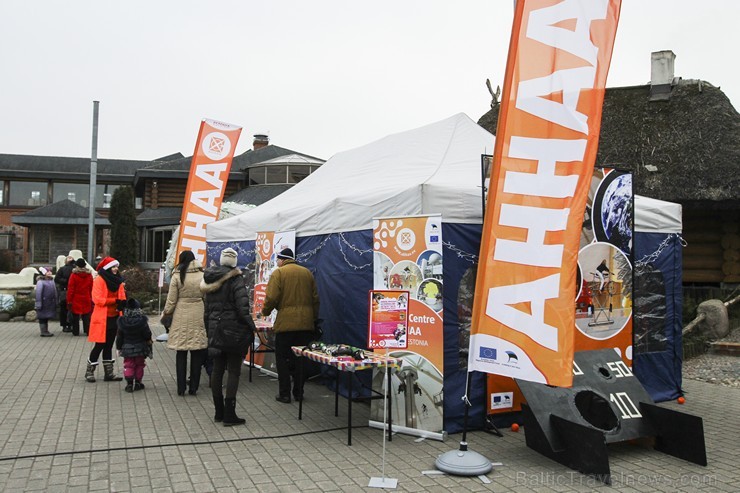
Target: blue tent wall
[
  {"x": 342, "y": 264},
  {"x": 658, "y": 302}
]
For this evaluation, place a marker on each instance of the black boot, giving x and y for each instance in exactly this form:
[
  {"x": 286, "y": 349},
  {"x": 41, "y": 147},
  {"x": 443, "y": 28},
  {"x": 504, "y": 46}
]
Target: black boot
[
  {"x": 129, "y": 385},
  {"x": 218, "y": 405},
  {"x": 230, "y": 417},
  {"x": 109, "y": 375},
  {"x": 90, "y": 372}
]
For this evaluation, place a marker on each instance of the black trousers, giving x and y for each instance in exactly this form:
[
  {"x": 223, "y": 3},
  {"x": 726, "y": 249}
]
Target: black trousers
[
  {"x": 111, "y": 328},
  {"x": 181, "y": 366},
  {"x": 63, "y": 320},
  {"x": 231, "y": 361},
  {"x": 85, "y": 317},
  {"x": 287, "y": 363}
]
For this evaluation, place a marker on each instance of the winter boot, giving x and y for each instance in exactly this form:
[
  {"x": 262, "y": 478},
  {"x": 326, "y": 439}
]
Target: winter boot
[
  {"x": 109, "y": 375},
  {"x": 90, "y": 372},
  {"x": 138, "y": 385},
  {"x": 44, "y": 327},
  {"x": 218, "y": 404},
  {"x": 129, "y": 385},
  {"x": 230, "y": 417}
]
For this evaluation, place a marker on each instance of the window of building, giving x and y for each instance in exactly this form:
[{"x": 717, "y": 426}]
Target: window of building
[
  {"x": 277, "y": 175},
  {"x": 257, "y": 176},
  {"x": 27, "y": 193},
  {"x": 2, "y": 192},
  {"x": 6, "y": 241},
  {"x": 297, "y": 172},
  {"x": 155, "y": 243},
  {"x": 76, "y": 192},
  {"x": 103, "y": 195}
]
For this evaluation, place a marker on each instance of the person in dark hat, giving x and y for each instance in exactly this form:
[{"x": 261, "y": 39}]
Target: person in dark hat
[
  {"x": 61, "y": 279},
  {"x": 79, "y": 296},
  {"x": 291, "y": 291},
  {"x": 230, "y": 330},
  {"x": 108, "y": 293}
]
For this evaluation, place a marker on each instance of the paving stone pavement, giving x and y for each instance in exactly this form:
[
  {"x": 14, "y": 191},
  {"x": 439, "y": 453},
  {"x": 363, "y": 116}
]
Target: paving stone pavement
[{"x": 59, "y": 433}]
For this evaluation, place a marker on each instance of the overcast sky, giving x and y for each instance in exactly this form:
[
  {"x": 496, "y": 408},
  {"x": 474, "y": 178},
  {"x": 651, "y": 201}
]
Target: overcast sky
[{"x": 318, "y": 76}]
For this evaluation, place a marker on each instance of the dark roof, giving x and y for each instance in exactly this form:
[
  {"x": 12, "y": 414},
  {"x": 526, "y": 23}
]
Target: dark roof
[
  {"x": 171, "y": 157},
  {"x": 685, "y": 149},
  {"x": 162, "y": 216},
  {"x": 62, "y": 212},
  {"x": 71, "y": 168},
  {"x": 247, "y": 159},
  {"x": 257, "y": 194}
]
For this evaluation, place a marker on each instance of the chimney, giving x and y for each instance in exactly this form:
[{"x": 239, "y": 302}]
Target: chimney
[
  {"x": 661, "y": 75},
  {"x": 260, "y": 141}
]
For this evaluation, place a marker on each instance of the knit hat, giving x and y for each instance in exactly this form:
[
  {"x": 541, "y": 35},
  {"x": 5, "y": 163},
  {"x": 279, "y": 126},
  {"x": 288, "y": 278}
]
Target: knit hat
[
  {"x": 44, "y": 271},
  {"x": 80, "y": 262},
  {"x": 107, "y": 263},
  {"x": 228, "y": 257},
  {"x": 286, "y": 253}
]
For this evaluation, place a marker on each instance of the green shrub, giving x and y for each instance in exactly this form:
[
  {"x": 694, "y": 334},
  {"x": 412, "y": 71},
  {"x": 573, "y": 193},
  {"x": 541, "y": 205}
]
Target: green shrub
[{"x": 22, "y": 305}]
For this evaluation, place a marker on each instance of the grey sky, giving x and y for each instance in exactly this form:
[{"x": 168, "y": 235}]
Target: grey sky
[{"x": 319, "y": 76}]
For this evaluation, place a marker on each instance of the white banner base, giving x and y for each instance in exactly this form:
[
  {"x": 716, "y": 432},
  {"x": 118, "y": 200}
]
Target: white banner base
[{"x": 409, "y": 431}]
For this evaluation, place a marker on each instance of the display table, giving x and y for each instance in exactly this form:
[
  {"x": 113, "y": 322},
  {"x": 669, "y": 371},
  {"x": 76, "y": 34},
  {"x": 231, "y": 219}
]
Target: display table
[
  {"x": 264, "y": 328},
  {"x": 348, "y": 365}
]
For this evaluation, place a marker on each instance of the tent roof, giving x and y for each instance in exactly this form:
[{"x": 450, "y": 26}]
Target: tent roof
[
  {"x": 656, "y": 216},
  {"x": 431, "y": 169}
]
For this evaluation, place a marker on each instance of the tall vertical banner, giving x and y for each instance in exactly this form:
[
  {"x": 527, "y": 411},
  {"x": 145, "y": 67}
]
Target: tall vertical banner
[
  {"x": 407, "y": 259},
  {"x": 209, "y": 173},
  {"x": 523, "y": 319}
]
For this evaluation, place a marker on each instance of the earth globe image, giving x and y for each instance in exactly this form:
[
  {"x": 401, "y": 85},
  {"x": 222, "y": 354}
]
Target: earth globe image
[{"x": 615, "y": 211}]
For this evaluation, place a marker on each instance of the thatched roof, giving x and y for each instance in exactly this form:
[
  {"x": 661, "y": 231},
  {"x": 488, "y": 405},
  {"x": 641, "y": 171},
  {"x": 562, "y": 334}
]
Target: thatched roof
[{"x": 685, "y": 149}]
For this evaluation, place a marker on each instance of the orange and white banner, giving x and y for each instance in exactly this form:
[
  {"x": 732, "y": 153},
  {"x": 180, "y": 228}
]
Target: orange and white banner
[
  {"x": 209, "y": 173},
  {"x": 523, "y": 319}
]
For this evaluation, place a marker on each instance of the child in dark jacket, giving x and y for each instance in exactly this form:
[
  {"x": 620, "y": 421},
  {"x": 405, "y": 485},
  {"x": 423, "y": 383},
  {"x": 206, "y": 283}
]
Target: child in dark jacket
[{"x": 134, "y": 343}]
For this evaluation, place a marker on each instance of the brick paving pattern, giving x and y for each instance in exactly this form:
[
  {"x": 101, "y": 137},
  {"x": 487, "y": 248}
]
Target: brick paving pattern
[{"x": 59, "y": 433}]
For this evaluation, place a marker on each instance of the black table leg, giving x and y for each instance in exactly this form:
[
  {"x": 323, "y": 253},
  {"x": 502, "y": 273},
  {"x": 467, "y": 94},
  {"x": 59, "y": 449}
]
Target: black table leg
[
  {"x": 336, "y": 395},
  {"x": 251, "y": 361},
  {"x": 300, "y": 379},
  {"x": 349, "y": 409}
]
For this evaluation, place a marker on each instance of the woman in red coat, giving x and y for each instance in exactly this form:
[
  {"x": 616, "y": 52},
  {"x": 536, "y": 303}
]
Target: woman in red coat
[
  {"x": 107, "y": 291},
  {"x": 79, "y": 296}
]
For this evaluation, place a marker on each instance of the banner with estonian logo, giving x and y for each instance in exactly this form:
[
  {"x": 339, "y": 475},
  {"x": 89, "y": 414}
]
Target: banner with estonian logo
[
  {"x": 407, "y": 258},
  {"x": 523, "y": 319},
  {"x": 209, "y": 173}
]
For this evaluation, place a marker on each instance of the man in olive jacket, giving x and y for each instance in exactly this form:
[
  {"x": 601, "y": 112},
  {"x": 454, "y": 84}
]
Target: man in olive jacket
[{"x": 292, "y": 291}]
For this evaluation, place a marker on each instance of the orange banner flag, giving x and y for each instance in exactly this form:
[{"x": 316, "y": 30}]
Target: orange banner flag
[
  {"x": 209, "y": 173},
  {"x": 523, "y": 314}
]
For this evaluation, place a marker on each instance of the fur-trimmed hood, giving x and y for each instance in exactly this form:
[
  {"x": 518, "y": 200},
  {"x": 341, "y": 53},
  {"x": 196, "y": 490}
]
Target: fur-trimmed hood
[
  {"x": 215, "y": 277},
  {"x": 78, "y": 270}
]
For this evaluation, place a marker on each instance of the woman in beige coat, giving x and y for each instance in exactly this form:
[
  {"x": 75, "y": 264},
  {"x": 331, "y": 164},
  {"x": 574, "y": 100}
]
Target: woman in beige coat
[{"x": 187, "y": 332}]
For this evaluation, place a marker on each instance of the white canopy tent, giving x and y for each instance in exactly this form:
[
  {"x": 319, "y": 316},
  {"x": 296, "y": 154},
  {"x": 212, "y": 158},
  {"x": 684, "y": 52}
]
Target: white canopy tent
[
  {"x": 656, "y": 216},
  {"x": 420, "y": 171}
]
